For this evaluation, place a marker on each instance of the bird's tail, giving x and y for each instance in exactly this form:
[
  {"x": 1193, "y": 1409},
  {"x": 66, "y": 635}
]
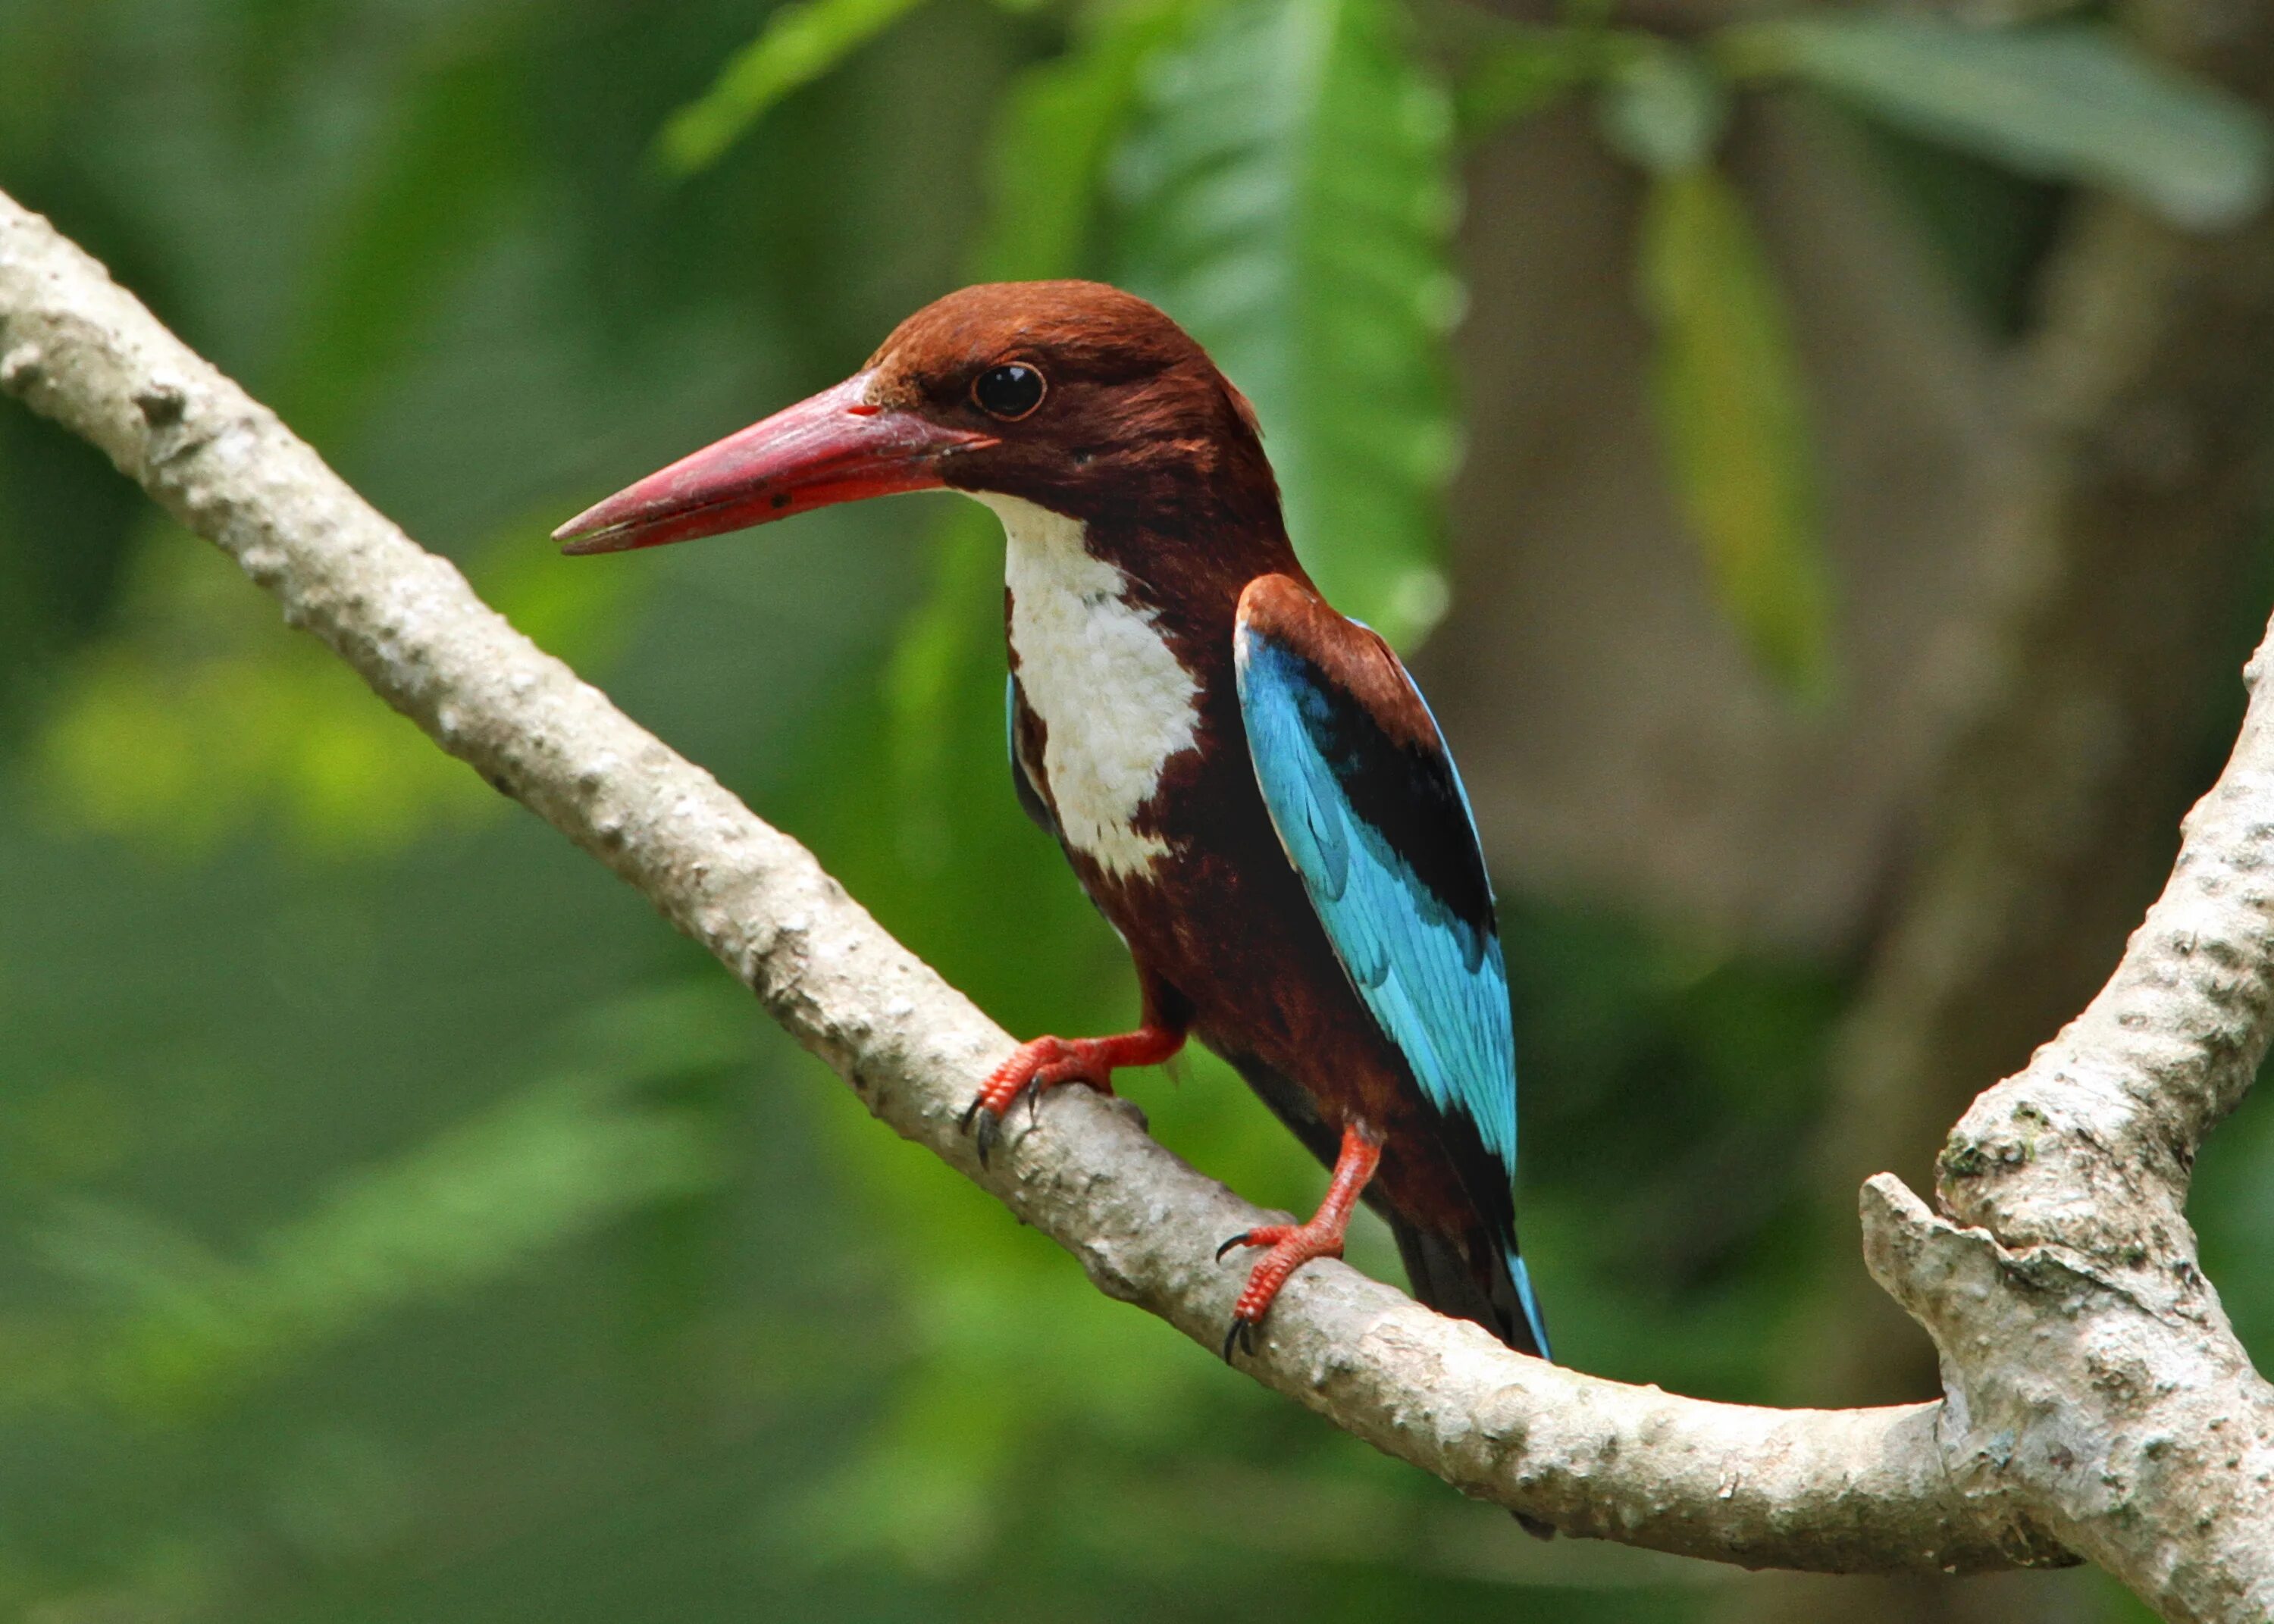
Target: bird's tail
[
  {"x": 1496, "y": 1293},
  {"x": 1494, "y": 1290}
]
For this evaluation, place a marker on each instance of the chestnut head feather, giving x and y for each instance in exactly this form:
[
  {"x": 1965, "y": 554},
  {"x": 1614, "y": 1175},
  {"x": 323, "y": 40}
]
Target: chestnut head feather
[{"x": 1121, "y": 412}]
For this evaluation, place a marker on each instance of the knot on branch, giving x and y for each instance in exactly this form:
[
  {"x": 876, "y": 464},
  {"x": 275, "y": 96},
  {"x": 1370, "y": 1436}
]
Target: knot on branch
[
  {"x": 21, "y": 367},
  {"x": 2063, "y": 1156},
  {"x": 161, "y": 401}
]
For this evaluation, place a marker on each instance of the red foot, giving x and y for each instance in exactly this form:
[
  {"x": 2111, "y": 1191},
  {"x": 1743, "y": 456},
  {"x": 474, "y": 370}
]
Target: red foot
[
  {"x": 1294, "y": 1244},
  {"x": 1045, "y": 1062}
]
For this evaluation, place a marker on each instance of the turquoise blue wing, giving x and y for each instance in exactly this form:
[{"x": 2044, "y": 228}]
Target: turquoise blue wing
[{"x": 1370, "y": 811}]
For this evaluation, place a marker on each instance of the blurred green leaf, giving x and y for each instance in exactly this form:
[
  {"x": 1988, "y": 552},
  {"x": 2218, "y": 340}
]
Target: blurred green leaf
[
  {"x": 1289, "y": 194},
  {"x": 1664, "y": 108},
  {"x": 634, "y": 1040},
  {"x": 54, "y": 485},
  {"x": 802, "y": 41},
  {"x": 583, "y": 616},
  {"x": 1050, "y": 144},
  {"x": 469, "y": 1206},
  {"x": 201, "y": 713},
  {"x": 948, "y": 646},
  {"x": 2067, "y": 103},
  {"x": 1526, "y": 72},
  {"x": 1731, "y": 405},
  {"x": 427, "y": 205}
]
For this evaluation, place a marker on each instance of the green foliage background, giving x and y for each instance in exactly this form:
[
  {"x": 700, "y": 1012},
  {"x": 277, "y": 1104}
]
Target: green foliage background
[{"x": 396, "y": 1221}]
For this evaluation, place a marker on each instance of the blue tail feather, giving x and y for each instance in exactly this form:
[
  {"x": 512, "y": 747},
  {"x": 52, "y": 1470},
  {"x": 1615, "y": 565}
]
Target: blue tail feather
[{"x": 1522, "y": 1276}]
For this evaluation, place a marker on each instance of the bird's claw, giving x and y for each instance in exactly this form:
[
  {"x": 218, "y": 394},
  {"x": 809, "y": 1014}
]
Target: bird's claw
[
  {"x": 1292, "y": 1246},
  {"x": 988, "y": 1117},
  {"x": 1044, "y": 1062},
  {"x": 1241, "y": 1332}
]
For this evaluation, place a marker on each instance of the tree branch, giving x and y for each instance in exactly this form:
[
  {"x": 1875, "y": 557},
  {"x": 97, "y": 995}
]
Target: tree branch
[
  {"x": 2169, "y": 1045},
  {"x": 2093, "y": 1375}
]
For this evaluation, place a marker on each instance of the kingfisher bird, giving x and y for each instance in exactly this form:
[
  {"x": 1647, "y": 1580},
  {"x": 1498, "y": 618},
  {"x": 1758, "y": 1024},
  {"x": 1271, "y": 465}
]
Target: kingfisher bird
[{"x": 1248, "y": 784}]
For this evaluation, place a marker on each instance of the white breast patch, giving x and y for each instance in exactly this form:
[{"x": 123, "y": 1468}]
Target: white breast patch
[{"x": 1116, "y": 701}]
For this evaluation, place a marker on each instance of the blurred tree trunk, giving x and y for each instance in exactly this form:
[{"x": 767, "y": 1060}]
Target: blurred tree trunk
[
  {"x": 1626, "y": 746},
  {"x": 2045, "y": 569}
]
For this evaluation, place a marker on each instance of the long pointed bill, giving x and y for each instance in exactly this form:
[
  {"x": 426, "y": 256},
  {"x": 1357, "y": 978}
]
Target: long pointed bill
[{"x": 835, "y": 448}]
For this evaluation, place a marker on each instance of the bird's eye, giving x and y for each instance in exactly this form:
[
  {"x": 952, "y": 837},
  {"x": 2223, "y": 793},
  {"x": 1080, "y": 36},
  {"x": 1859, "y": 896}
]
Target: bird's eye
[{"x": 1010, "y": 391}]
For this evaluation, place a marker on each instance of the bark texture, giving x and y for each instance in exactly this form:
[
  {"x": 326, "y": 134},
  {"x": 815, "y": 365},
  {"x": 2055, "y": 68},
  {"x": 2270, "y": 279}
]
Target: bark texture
[
  {"x": 2099, "y": 1400},
  {"x": 2089, "y": 1367}
]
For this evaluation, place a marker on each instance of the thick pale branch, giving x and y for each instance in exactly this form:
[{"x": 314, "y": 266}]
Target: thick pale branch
[
  {"x": 2092, "y": 1373},
  {"x": 1833, "y": 1490}
]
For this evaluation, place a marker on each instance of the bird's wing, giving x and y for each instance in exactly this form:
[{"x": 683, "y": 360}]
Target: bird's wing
[{"x": 1370, "y": 809}]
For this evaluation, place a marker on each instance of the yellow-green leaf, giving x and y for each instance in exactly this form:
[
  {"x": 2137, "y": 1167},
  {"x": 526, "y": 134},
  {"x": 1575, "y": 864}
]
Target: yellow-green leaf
[{"x": 1732, "y": 408}]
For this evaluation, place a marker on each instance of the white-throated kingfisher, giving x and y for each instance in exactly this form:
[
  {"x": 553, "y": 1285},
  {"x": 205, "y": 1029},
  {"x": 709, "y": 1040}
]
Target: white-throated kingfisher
[{"x": 1248, "y": 785}]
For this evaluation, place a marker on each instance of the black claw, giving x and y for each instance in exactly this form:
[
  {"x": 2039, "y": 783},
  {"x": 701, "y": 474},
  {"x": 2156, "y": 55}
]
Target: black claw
[
  {"x": 970, "y": 1111},
  {"x": 1240, "y": 1333},
  {"x": 1034, "y": 1104},
  {"x": 990, "y": 1127},
  {"x": 1239, "y": 1239}
]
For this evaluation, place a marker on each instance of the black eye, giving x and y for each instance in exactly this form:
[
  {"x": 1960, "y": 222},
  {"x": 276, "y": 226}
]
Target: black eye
[{"x": 1009, "y": 391}]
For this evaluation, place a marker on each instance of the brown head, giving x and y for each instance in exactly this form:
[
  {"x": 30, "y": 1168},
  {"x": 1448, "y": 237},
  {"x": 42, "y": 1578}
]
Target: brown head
[{"x": 1069, "y": 395}]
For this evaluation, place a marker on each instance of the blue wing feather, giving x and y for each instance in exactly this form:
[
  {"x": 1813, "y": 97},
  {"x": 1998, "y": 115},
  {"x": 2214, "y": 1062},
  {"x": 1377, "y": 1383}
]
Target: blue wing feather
[
  {"x": 1385, "y": 842},
  {"x": 1435, "y": 979}
]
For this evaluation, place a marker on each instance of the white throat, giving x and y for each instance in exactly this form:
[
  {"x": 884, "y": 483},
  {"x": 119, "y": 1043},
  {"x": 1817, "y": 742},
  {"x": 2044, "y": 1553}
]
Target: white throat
[{"x": 1115, "y": 701}]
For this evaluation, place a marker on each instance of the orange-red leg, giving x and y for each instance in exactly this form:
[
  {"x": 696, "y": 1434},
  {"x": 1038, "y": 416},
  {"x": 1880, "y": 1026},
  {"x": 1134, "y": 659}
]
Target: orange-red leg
[
  {"x": 1045, "y": 1062},
  {"x": 1294, "y": 1244}
]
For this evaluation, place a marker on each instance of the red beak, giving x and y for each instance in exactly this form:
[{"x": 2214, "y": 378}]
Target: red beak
[{"x": 835, "y": 448}]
